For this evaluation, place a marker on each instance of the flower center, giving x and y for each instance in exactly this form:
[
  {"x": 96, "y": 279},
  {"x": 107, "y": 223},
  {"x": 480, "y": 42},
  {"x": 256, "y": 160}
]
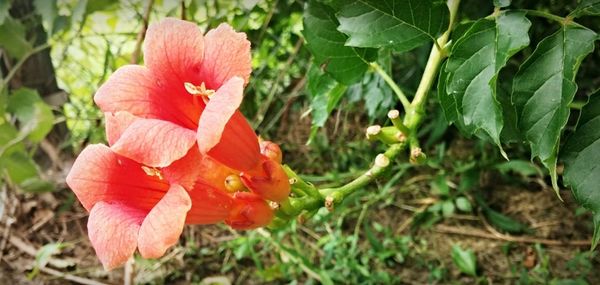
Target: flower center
[
  {"x": 198, "y": 90},
  {"x": 152, "y": 171}
]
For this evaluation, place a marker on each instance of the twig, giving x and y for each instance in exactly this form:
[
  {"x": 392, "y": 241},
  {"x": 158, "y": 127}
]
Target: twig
[
  {"x": 4, "y": 82},
  {"x": 142, "y": 34},
  {"x": 128, "y": 275},
  {"x": 70, "y": 277},
  {"x": 9, "y": 218},
  {"x": 388, "y": 79},
  {"x": 498, "y": 236}
]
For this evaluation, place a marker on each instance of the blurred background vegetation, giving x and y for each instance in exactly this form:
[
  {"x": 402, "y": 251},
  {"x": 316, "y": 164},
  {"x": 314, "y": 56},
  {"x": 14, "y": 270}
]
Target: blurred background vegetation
[{"x": 467, "y": 216}]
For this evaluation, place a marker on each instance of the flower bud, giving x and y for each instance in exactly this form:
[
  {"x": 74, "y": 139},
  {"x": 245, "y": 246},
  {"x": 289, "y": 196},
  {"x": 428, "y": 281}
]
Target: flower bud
[
  {"x": 271, "y": 150},
  {"x": 270, "y": 182},
  {"x": 249, "y": 212}
]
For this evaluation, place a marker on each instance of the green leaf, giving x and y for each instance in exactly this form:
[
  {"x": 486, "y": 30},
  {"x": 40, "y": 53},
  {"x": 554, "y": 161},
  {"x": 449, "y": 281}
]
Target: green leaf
[
  {"x": 36, "y": 185},
  {"x": 34, "y": 115},
  {"x": 544, "y": 87},
  {"x": 499, "y": 220},
  {"x": 523, "y": 167},
  {"x": 48, "y": 10},
  {"x": 502, "y": 3},
  {"x": 4, "y": 6},
  {"x": 447, "y": 208},
  {"x": 473, "y": 67},
  {"x": 587, "y": 8},
  {"x": 345, "y": 64},
  {"x": 581, "y": 155},
  {"x": 19, "y": 166},
  {"x": 463, "y": 204},
  {"x": 12, "y": 38},
  {"x": 504, "y": 222},
  {"x": 399, "y": 24},
  {"x": 326, "y": 93},
  {"x": 465, "y": 260},
  {"x": 44, "y": 254}
]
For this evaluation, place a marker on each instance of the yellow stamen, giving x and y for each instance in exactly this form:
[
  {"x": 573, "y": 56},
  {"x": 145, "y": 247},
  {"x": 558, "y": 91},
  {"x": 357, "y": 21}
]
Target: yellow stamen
[
  {"x": 152, "y": 171},
  {"x": 199, "y": 90}
]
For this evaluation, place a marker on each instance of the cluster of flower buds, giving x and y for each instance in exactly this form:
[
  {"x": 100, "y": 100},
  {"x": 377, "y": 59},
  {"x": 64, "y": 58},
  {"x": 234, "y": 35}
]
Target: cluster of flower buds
[{"x": 179, "y": 151}]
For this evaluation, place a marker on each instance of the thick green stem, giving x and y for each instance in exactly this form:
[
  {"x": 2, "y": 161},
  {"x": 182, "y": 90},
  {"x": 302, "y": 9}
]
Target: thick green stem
[
  {"x": 436, "y": 56},
  {"x": 380, "y": 165},
  {"x": 412, "y": 120}
]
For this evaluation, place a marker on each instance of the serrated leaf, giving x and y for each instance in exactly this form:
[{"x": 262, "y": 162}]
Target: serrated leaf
[
  {"x": 465, "y": 260},
  {"x": 34, "y": 115},
  {"x": 326, "y": 93},
  {"x": 544, "y": 87},
  {"x": 345, "y": 64},
  {"x": 581, "y": 155},
  {"x": 12, "y": 38},
  {"x": 587, "y": 8},
  {"x": 472, "y": 71},
  {"x": 398, "y": 24}
]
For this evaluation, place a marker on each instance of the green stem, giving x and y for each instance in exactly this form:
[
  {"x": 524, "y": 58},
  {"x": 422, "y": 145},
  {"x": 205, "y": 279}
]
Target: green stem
[
  {"x": 412, "y": 120},
  {"x": 339, "y": 193},
  {"x": 436, "y": 56},
  {"x": 388, "y": 79},
  {"x": 546, "y": 15},
  {"x": 4, "y": 82}
]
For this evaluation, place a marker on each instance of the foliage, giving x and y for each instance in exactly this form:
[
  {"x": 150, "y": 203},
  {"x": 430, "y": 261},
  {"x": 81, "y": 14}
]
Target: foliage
[{"x": 521, "y": 75}]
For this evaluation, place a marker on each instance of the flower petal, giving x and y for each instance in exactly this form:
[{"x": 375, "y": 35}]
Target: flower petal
[
  {"x": 209, "y": 205},
  {"x": 135, "y": 89},
  {"x": 271, "y": 182},
  {"x": 163, "y": 225},
  {"x": 113, "y": 231},
  {"x": 238, "y": 147},
  {"x": 217, "y": 113},
  {"x": 99, "y": 174},
  {"x": 116, "y": 124},
  {"x": 195, "y": 167},
  {"x": 226, "y": 54},
  {"x": 173, "y": 50},
  {"x": 249, "y": 212},
  {"x": 224, "y": 133},
  {"x": 154, "y": 142}
]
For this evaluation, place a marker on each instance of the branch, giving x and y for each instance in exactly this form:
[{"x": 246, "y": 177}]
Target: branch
[
  {"x": 142, "y": 34},
  {"x": 4, "y": 82}
]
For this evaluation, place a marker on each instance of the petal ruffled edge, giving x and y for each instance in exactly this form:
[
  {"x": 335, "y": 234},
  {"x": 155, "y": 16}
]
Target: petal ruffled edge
[
  {"x": 226, "y": 54},
  {"x": 174, "y": 51},
  {"x": 155, "y": 143},
  {"x": 130, "y": 88},
  {"x": 163, "y": 225},
  {"x": 113, "y": 231},
  {"x": 222, "y": 105},
  {"x": 116, "y": 124}
]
